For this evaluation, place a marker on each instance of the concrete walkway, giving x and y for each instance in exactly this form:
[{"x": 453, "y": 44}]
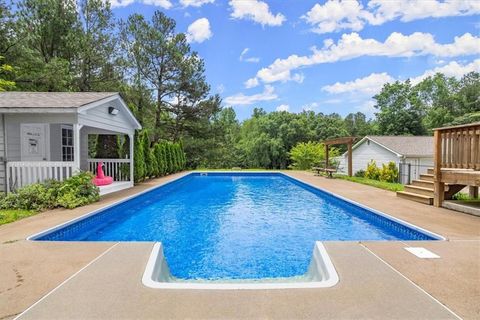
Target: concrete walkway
[{"x": 377, "y": 279}]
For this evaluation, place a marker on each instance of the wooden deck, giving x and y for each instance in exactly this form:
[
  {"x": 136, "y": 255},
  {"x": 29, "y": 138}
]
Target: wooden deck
[{"x": 457, "y": 159}]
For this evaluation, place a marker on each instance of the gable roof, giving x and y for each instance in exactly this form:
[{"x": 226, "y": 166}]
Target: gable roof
[
  {"x": 419, "y": 146},
  {"x": 61, "y": 100}
]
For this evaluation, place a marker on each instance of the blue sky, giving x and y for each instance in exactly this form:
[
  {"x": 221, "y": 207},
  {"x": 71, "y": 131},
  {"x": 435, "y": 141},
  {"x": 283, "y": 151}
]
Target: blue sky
[{"x": 324, "y": 56}]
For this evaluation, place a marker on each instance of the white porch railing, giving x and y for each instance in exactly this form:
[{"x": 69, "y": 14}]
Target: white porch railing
[
  {"x": 22, "y": 173},
  {"x": 118, "y": 169}
]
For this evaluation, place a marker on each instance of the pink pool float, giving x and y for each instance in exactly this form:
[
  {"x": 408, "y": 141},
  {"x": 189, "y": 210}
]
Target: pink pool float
[{"x": 101, "y": 179}]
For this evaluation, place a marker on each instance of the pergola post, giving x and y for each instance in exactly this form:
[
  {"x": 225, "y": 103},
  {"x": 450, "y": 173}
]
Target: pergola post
[
  {"x": 131, "y": 145},
  {"x": 326, "y": 156},
  {"x": 350, "y": 162}
]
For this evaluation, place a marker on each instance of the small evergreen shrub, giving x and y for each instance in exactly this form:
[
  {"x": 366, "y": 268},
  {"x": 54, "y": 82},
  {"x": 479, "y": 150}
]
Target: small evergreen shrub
[
  {"x": 389, "y": 172},
  {"x": 372, "y": 172},
  {"x": 157, "y": 150},
  {"x": 138, "y": 158}
]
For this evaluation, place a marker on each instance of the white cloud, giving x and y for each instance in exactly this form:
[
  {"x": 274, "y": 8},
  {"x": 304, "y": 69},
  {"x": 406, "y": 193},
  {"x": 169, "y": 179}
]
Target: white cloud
[
  {"x": 336, "y": 15},
  {"x": 199, "y": 31},
  {"x": 373, "y": 83},
  {"x": 250, "y": 83},
  {"x": 257, "y": 11},
  {"x": 283, "y": 107},
  {"x": 351, "y": 46},
  {"x": 368, "y": 85},
  {"x": 250, "y": 59},
  {"x": 165, "y": 4},
  {"x": 452, "y": 69},
  {"x": 241, "y": 99},
  {"x": 195, "y": 3}
]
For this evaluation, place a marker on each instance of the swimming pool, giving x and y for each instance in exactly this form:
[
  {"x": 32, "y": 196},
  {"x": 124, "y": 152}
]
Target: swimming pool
[{"x": 236, "y": 225}]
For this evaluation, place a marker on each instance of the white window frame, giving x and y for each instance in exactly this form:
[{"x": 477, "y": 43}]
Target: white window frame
[{"x": 62, "y": 145}]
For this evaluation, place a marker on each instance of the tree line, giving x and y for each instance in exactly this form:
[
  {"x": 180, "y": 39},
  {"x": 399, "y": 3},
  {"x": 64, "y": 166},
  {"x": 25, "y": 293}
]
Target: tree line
[{"x": 70, "y": 45}]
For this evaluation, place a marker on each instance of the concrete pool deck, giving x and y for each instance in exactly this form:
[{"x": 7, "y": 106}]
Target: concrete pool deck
[{"x": 377, "y": 279}]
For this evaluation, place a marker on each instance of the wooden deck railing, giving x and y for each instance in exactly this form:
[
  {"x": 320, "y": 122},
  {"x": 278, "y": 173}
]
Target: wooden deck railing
[
  {"x": 118, "y": 169},
  {"x": 459, "y": 146},
  {"x": 455, "y": 148}
]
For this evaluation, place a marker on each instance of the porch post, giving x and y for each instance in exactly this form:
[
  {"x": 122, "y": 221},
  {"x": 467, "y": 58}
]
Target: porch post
[
  {"x": 131, "y": 142},
  {"x": 76, "y": 147}
]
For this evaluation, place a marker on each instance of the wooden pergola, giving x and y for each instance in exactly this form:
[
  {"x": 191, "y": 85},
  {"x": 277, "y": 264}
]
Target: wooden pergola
[{"x": 344, "y": 140}]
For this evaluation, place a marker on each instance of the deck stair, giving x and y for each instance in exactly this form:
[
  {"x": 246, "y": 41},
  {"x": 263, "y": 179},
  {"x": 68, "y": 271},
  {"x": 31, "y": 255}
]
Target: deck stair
[{"x": 422, "y": 190}]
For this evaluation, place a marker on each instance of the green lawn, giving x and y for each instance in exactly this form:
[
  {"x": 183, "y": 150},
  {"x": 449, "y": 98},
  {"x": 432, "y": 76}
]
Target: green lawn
[
  {"x": 7, "y": 216},
  {"x": 374, "y": 183}
]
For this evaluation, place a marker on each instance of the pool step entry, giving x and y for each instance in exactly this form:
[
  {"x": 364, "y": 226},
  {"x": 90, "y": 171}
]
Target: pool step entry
[
  {"x": 321, "y": 274},
  {"x": 422, "y": 190}
]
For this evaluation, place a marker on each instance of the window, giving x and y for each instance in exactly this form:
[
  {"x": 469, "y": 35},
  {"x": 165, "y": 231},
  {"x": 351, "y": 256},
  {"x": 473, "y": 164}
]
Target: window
[{"x": 67, "y": 143}]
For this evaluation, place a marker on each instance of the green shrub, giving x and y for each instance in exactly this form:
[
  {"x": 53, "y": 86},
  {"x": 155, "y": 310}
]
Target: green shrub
[
  {"x": 389, "y": 172},
  {"x": 360, "y": 173},
  {"x": 77, "y": 191},
  {"x": 153, "y": 172},
  {"x": 32, "y": 197},
  {"x": 372, "y": 172},
  {"x": 164, "y": 158},
  {"x": 305, "y": 155},
  {"x": 178, "y": 159},
  {"x": 138, "y": 158},
  {"x": 157, "y": 150},
  {"x": 169, "y": 154},
  {"x": 148, "y": 157}
]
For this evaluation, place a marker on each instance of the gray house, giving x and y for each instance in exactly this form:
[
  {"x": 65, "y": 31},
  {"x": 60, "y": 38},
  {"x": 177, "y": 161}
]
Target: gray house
[
  {"x": 412, "y": 154},
  {"x": 44, "y": 135}
]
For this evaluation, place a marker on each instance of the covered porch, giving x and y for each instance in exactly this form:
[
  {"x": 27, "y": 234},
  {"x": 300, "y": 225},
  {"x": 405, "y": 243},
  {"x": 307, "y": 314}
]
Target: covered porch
[{"x": 51, "y": 141}]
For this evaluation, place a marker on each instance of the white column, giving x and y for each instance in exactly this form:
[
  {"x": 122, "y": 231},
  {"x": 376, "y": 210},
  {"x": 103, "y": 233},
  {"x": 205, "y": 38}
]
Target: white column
[
  {"x": 131, "y": 141},
  {"x": 76, "y": 147}
]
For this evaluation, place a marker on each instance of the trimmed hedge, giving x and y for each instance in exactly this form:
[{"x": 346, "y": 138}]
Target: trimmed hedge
[{"x": 157, "y": 160}]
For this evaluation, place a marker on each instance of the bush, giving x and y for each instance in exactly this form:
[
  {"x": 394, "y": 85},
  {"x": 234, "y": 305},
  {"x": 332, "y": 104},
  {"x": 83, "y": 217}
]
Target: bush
[
  {"x": 164, "y": 158},
  {"x": 138, "y": 158},
  {"x": 157, "y": 150},
  {"x": 306, "y": 155},
  {"x": 32, "y": 197},
  {"x": 76, "y": 191},
  {"x": 389, "y": 172},
  {"x": 148, "y": 157},
  {"x": 372, "y": 172},
  {"x": 360, "y": 173}
]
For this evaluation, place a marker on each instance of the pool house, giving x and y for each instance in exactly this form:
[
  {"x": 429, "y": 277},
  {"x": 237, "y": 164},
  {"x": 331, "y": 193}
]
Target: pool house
[{"x": 44, "y": 135}]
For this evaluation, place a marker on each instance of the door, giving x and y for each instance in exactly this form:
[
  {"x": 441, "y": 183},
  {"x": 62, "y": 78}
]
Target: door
[{"x": 33, "y": 141}]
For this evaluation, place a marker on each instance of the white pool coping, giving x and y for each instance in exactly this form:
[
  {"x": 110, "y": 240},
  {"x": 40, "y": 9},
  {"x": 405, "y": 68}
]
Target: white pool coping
[{"x": 321, "y": 274}]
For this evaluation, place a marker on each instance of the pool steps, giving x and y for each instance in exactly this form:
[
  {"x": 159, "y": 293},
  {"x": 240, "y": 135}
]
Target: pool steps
[{"x": 321, "y": 274}]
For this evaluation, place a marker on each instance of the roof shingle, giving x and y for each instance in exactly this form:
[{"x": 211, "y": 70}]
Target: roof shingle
[
  {"x": 407, "y": 145},
  {"x": 50, "y": 99}
]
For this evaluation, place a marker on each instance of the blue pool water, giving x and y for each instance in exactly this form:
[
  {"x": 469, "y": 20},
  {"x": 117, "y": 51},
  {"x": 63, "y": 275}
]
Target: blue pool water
[{"x": 236, "y": 226}]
